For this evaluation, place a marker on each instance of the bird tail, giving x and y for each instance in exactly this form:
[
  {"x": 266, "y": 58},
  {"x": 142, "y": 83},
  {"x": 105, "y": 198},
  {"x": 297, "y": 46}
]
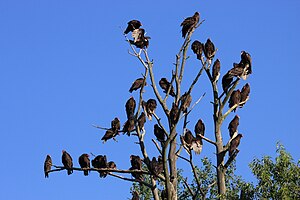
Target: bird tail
[
  {"x": 86, "y": 172},
  {"x": 70, "y": 171}
]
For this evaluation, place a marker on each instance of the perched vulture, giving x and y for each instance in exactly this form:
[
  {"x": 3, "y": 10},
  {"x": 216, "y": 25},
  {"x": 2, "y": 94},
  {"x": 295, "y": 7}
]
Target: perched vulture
[
  {"x": 135, "y": 195},
  {"x": 100, "y": 162},
  {"x": 137, "y": 84},
  {"x": 84, "y": 162},
  {"x": 47, "y": 165},
  {"x": 190, "y": 142},
  {"x": 235, "y": 98},
  {"x": 200, "y": 128},
  {"x": 67, "y": 162},
  {"x": 247, "y": 61},
  {"x": 130, "y": 107},
  {"x": 238, "y": 70},
  {"x": 165, "y": 85},
  {"x": 108, "y": 135},
  {"x": 234, "y": 144},
  {"x": 197, "y": 48},
  {"x": 111, "y": 165},
  {"x": 149, "y": 107},
  {"x": 189, "y": 23},
  {"x": 132, "y": 25},
  {"x": 136, "y": 164},
  {"x": 159, "y": 133},
  {"x": 157, "y": 166},
  {"x": 115, "y": 125},
  {"x": 129, "y": 126},
  {"x": 140, "y": 40},
  {"x": 216, "y": 70},
  {"x": 209, "y": 49},
  {"x": 186, "y": 100},
  {"x": 245, "y": 94},
  {"x": 232, "y": 127},
  {"x": 141, "y": 121},
  {"x": 174, "y": 113},
  {"x": 226, "y": 82}
]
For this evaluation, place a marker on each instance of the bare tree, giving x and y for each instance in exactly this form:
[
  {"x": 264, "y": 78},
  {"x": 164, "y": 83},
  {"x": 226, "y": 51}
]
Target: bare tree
[{"x": 168, "y": 142}]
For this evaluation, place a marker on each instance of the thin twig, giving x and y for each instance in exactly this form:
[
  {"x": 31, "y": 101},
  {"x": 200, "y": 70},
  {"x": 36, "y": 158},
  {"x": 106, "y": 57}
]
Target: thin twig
[
  {"x": 157, "y": 146},
  {"x": 193, "y": 106},
  {"x": 131, "y": 180},
  {"x": 188, "y": 187},
  {"x": 208, "y": 140}
]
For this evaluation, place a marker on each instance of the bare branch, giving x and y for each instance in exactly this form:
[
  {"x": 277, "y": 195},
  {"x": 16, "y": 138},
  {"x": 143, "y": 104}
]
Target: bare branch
[
  {"x": 208, "y": 140},
  {"x": 188, "y": 187},
  {"x": 231, "y": 158},
  {"x": 131, "y": 180},
  {"x": 157, "y": 146},
  {"x": 232, "y": 108},
  {"x": 193, "y": 106}
]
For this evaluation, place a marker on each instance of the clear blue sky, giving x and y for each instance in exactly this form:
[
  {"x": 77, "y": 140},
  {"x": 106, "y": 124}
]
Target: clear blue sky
[{"x": 64, "y": 66}]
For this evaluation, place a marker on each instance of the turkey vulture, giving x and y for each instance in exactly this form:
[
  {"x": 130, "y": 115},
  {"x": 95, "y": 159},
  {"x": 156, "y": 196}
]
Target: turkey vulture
[
  {"x": 149, "y": 107},
  {"x": 238, "y": 70},
  {"x": 84, "y": 162},
  {"x": 129, "y": 126},
  {"x": 115, "y": 125},
  {"x": 140, "y": 40},
  {"x": 174, "y": 114},
  {"x": 209, "y": 49},
  {"x": 226, "y": 82},
  {"x": 197, "y": 48},
  {"x": 216, "y": 70},
  {"x": 141, "y": 121},
  {"x": 111, "y": 165},
  {"x": 136, "y": 164},
  {"x": 186, "y": 100},
  {"x": 235, "y": 98},
  {"x": 157, "y": 166},
  {"x": 189, "y": 23},
  {"x": 67, "y": 162},
  {"x": 234, "y": 144},
  {"x": 159, "y": 133},
  {"x": 100, "y": 162},
  {"x": 200, "y": 128},
  {"x": 165, "y": 85},
  {"x": 130, "y": 107},
  {"x": 232, "y": 127},
  {"x": 247, "y": 61},
  {"x": 135, "y": 195},
  {"x": 132, "y": 25},
  {"x": 138, "y": 83},
  {"x": 245, "y": 94},
  {"x": 190, "y": 142},
  {"x": 108, "y": 135},
  {"x": 47, "y": 165}
]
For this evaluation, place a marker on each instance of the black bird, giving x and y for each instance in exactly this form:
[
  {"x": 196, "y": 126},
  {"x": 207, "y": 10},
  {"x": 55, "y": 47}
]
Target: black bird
[
  {"x": 185, "y": 100},
  {"x": 130, "y": 107},
  {"x": 233, "y": 125},
  {"x": 100, "y": 162},
  {"x": 139, "y": 39},
  {"x": 247, "y": 61},
  {"x": 159, "y": 133},
  {"x": 137, "y": 84},
  {"x": 84, "y": 162},
  {"x": 197, "y": 48},
  {"x": 190, "y": 142},
  {"x": 165, "y": 85},
  {"x": 108, "y": 135},
  {"x": 216, "y": 70},
  {"x": 111, "y": 165},
  {"x": 67, "y": 162},
  {"x": 149, "y": 107},
  {"x": 141, "y": 121},
  {"x": 115, "y": 125},
  {"x": 129, "y": 126},
  {"x": 174, "y": 113},
  {"x": 189, "y": 23},
  {"x": 235, "y": 142},
  {"x": 47, "y": 165},
  {"x": 226, "y": 82},
  {"x": 132, "y": 25},
  {"x": 235, "y": 98},
  {"x": 157, "y": 166},
  {"x": 200, "y": 128},
  {"x": 245, "y": 94},
  {"x": 136, "y": 164},
  {"x": 209, "y": 49}
]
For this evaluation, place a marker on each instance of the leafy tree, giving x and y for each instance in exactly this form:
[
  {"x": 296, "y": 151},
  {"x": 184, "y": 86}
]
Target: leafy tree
[
  {"x": 160, "y": 174},
  {"x": 279, "y": 179}
]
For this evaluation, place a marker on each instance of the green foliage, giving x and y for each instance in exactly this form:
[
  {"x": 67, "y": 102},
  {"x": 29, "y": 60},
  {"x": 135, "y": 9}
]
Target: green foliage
[{"x": 279, "y": 179}]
